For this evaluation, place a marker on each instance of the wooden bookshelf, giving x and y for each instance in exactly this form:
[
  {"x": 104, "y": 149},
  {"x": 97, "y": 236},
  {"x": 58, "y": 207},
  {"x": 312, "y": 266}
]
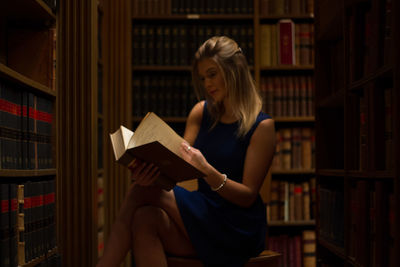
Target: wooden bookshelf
[
  {"x": 162, "y": 68},
  {"x": 193, "y": 17},
  {"x": 32, "y": 174},
  {"x": 357, "y": 177},
  {"x": 295, "y": 119},
  {"x": 309, "y": 17},
  {"x": 330, "y": 172},
  {"x": 292, "y": 172},
  {"x": 338, "y": 251},
  {"x": 37, "y": 261},
  {"x": 291, "y": 223},
  {"x": 36, "y": 10},
  {"x": 28, "y": 129},
  {"x": 287, "y": 68},
  {"x": 16, "y": 77}
]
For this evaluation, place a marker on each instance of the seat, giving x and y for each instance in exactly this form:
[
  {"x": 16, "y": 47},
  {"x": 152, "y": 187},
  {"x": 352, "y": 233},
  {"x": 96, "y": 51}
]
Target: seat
[{"x": 267, "y": 258}]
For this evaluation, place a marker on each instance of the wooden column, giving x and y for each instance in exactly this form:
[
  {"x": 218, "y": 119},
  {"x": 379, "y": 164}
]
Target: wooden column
[
  {"x": 77, "y": 150},
  {"x": 117, "y": 100},
  {"x": 76, "y": 132}
]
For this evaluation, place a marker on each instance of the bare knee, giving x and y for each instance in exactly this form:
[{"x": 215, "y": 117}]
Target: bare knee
[{"x": 147, "y": 219}]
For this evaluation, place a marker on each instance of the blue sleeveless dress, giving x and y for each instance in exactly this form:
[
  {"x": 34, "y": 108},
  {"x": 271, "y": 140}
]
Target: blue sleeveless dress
[{"x": 222, "y": 233}]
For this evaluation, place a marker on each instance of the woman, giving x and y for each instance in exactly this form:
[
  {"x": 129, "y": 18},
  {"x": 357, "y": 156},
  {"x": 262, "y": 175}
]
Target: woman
[{"x": 232, "y": 142}]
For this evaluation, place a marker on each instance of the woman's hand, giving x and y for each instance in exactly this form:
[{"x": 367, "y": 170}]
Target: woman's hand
[
  {"x": 195, "y": 157},
  {"x": 144, "y": 173}
]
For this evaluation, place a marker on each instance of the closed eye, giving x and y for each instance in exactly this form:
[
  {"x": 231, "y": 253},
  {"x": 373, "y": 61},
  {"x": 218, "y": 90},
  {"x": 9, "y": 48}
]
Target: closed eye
[{"x": 211, "y": 75}]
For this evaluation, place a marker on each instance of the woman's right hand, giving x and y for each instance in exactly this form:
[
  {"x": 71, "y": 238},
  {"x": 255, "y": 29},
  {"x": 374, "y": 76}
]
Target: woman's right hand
[{"x": 143, "y": 173}]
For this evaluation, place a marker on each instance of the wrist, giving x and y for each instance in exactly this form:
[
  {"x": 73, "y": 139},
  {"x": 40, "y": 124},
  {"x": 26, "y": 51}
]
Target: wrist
[
  {"x": 216, "y": 180},
  {"x": 222, "y": 184}
]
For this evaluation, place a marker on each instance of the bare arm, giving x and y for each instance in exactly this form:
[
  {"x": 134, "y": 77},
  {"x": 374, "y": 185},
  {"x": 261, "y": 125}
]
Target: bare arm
[
  {"x": 193, "y": 123},
  {"x": 257, "y": 162}
]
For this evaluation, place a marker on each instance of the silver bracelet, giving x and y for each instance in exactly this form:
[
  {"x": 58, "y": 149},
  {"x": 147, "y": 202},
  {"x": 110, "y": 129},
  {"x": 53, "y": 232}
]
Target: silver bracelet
[{"x": 221, "y": 185}]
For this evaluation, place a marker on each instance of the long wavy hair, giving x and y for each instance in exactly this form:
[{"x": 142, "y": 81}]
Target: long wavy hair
[{"x": 241, "y": 90}]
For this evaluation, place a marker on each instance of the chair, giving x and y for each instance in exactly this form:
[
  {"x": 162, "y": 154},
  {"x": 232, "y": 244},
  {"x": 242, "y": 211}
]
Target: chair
[{"x": 267, "y": 258}]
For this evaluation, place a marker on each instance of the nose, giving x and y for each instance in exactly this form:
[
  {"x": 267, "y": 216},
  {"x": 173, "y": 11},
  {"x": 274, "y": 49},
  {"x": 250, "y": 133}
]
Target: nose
[{"x": 207, "y": 82}]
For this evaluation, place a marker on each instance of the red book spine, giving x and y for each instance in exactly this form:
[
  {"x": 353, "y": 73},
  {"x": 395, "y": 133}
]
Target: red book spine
[{"x": 286, "y": 42}]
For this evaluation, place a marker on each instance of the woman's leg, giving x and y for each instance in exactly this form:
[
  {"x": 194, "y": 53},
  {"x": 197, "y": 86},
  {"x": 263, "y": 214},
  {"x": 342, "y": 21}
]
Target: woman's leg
[
  {"x": 154, "y": 235},
  {"x": 119, "y": 241},
  {"x": 171, "y": 233}
]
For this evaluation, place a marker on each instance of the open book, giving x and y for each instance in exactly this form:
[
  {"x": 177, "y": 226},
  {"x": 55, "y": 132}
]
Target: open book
[{"x": 155, "y": 142}]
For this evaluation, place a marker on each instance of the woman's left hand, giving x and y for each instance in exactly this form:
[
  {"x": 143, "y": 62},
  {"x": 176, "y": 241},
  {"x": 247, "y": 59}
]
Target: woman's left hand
[{"x": 195, "y": 157}]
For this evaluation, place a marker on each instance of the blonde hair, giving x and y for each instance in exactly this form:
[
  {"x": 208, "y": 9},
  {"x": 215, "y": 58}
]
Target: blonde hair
[{"x": 242, "y": 92}]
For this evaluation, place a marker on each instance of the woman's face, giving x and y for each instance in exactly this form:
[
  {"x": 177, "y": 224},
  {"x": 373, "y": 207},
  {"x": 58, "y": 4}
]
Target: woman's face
[{"x": 212, "y": 79}]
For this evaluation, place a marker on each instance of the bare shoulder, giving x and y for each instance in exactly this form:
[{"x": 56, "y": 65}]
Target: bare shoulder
[
  {"x": 193, "y": 122},
  {"x": 266, "y": 125},
  {"x": 264, "y": 131},
  {"x": 196, "y": 114}
]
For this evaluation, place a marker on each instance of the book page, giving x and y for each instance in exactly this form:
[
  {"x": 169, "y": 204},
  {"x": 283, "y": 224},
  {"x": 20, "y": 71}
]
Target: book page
[
  {"x": 126, "y": 136},
  {"x": 151, "y": 129},
  {"x": 120, "y": 141}
]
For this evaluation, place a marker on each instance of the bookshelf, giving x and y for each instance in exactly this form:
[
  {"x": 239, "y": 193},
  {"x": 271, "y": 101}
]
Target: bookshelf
[
  {"x": 166, "y": 30},
  {"x": 357, "y": 129},
  {"x": 28, "y": 96}
]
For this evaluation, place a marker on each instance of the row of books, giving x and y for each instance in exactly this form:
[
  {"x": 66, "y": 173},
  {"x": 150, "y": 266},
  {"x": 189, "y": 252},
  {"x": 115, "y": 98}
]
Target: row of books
[
  {"x": 54, "y": 260},
  {"x": 387, "y": 129},
  {"x": 166, "y": 95},
  {"x": 36, "y": 219},
  {"x": 292, "y": 201},
  {"x": 331, "y": 215},
  {"x": 168, "y": 7},
  {"x": 291, "y": 96},
  {"x": 286, "y": 43},
  {"x": 25, "y": 129},
  {"x": 297, "y": 251},
  {"x": 294, "y": 149},
  {"x": 8, "y": 225},
  {"x": 27, "y": 221},
  {"x": 383, "y": 110},
  {"x": 281, "y": 7},
  {"x": 372, "y": 225},
  {"x": 175, "y": 44},
  {"x": 372, "y": 48}
]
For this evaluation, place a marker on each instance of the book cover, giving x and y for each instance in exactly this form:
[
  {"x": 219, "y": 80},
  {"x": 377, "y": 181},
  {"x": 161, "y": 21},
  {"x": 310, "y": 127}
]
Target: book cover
[
  {"x": 309, "y": 248},
  {"x": 286, "y": 149},
  {"x": 306, "y": 153},
  {"x": 286, "y": 42},
  {"x": 298, "y": 202},
  {"x": 274, "y": 203},
  {"x": 4, "y": 225},
  {"x": 306, "y": 201},
  {"x": 156, "y": 142},
  {"x": 265, "y": 45}
]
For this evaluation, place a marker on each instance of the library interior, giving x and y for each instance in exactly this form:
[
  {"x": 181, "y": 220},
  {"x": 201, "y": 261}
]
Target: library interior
[{"x": 327, "y": 73}]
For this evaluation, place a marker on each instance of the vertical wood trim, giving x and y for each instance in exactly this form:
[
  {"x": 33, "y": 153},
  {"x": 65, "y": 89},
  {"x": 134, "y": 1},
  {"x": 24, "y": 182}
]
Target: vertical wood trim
[
  {"x": 116, "y": 97},
  {"x": 75, "y": 128},
  {"x": 396, "y": 119},
  {"x": 94, "y": 125},
  {"x": 256, "y": 40}
]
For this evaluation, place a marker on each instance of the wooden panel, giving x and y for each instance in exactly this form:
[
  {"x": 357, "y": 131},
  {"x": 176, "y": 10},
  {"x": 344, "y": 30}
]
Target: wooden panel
[
  {"x": 116, "y": 101},
  {"x": 76, "y": 133}
]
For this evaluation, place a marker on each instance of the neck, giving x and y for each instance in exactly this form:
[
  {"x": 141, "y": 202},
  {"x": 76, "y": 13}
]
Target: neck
[{"x": 228, "y": 116}]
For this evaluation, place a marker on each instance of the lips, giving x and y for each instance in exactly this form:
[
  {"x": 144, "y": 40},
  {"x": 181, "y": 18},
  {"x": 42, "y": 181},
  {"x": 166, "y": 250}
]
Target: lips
[{"x": 212, "y": 92}]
